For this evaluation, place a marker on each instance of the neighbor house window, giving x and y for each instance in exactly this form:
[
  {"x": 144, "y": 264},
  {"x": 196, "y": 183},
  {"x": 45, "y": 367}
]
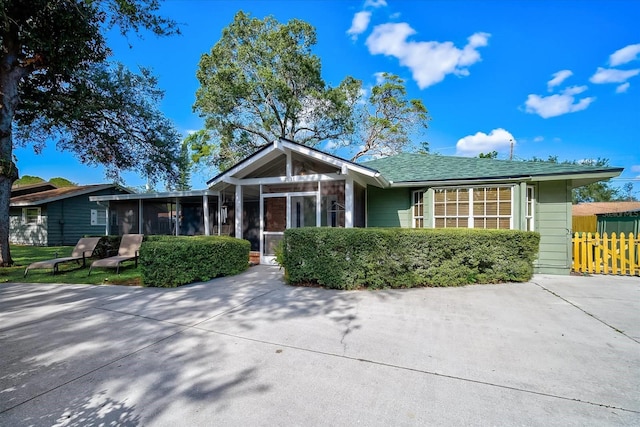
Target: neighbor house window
[
  {"x": 531, "y": 200},
  {"x": 98, "y": 217},
  {"x": 473, "y": 207},
  {"x": 31, "y": 215},
  {"x": 418, "y": 209}
]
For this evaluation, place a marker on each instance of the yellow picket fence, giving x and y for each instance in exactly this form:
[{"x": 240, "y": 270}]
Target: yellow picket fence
[{"x": 604, "y": 254}]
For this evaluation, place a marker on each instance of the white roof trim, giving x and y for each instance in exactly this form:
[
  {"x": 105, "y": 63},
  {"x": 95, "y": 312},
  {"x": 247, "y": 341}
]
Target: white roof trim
[{"x": 284, "y": 145}]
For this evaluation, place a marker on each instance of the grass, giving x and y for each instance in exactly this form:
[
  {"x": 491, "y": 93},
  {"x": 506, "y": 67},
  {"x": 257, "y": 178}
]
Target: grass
[{"x": 68, "y": 272}]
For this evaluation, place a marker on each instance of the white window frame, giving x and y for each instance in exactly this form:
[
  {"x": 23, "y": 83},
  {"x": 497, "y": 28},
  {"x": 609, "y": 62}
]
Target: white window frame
[
  {"x": 530, "y": 210},
  {"x": 418, "y": 200},
  {"x": 99, "y": 218},
  {"x": 457, "y": 216},
  {"x": 470, "y": 216},
  {"x": 25, "y": 216}
]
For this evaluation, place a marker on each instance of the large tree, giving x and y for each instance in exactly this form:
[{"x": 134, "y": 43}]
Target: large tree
[
  {"x": 261, "y": 81},
  {"x": 388, "y": 120},
  {"x": 54, "y": 83}
]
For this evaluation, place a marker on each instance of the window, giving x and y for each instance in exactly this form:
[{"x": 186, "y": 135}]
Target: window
[
  {"x": 531, "y": 200},
  {"x": 492, "y": 207},
  {"x": 474, "y": 207},
  {"x": 451, "y": 208},
  {"x": 31, "y": 215},
  {"x": 418, "y": 209},
  {"x": 98, "y": 217}
]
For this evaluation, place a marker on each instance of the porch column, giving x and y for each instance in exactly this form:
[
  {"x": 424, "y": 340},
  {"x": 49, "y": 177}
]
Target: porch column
[
  {"x": 319, "y": 205},
  {"x": 140, "y": 219},
  {"x": 205, "y": 212},
  {"x": 348, "y": 202},
  {"x": 177, "y": 217},
  {"x": 220, "y": 214},
  {"x": 238, "y": 213},
  {"x": 108, "y": 225}
]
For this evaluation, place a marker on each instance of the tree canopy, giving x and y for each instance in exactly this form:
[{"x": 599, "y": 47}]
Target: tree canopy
[
  {"x": 261, "y": 82},
  {"x": 55, "y": 85},
  {"x": 388, "y": 120},
  {"x": 57, "y": 181}
]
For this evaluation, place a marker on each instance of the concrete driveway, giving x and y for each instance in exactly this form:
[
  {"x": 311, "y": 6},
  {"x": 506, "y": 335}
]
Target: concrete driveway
[{"x": 249, "y": 350}]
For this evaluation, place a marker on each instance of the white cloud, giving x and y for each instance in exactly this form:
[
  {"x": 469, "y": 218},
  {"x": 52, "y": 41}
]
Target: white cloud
[
  {"x": 538, "y": 139},
  {"x": 379, "y": 77},
  {"x": 472, "y": 145},
  {"x": 359, "y": 24},
  {"x": 558, "y": 104},
  {"x": 623, "y": 87},
  {"x": 626, "y": 54},
  {"x": 375, "y": 3},
  {"x": 429, "y": 61},
  {"x": 558, "y": 78},
  {"x": 635, "y": 168},
  {"x": 611, "y": 75},
  {"x": 330, "y": 145}
]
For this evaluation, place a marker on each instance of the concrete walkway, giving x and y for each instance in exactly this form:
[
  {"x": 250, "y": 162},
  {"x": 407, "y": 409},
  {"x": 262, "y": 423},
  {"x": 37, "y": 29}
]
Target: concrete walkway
[{"x": 249, "y": 350}]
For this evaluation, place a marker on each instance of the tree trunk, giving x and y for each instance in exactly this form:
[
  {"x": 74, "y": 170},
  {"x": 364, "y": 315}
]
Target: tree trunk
[{"x": 11, "y": 73}]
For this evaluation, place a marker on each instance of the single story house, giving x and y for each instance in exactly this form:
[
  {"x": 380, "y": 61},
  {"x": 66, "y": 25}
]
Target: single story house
[
  {"x": 45, "y": 216},
  {"x": 285, "y": 185}
]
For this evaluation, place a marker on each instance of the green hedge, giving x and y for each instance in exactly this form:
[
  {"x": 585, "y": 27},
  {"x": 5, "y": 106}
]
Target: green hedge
[
  {"x": 170, "y": 261},
  {"x": 403, "y": 258}
]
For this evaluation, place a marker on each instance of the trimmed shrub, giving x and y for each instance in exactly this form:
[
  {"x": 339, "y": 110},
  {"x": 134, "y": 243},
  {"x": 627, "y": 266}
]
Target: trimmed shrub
[
  {"x": 170, "y": 261},
  {"x": 343, "y": 258}
]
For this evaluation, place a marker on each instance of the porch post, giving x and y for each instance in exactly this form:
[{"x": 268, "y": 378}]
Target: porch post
[
  {"x": 348, "y": 202},
  {"x": 140, "y": 219},
  {"x": 205, "y": 212},
  {"x": 319, "y": 205},
  {"x": 108, "y": 225},
  {"x": 177, "y": 217},
  {"x": 238, "y": 213},
  {"x": 220, "y": 213}
]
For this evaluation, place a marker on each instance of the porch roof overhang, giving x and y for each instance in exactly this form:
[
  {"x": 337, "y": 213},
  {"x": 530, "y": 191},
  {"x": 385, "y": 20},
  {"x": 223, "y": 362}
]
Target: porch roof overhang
[
  {"x": 169, "y": 195},
  {"x": 270, "y": 152}
]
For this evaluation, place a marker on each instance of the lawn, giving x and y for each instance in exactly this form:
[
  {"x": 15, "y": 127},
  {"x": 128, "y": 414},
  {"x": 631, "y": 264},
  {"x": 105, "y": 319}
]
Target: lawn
[{"x": 68, "y": 272}]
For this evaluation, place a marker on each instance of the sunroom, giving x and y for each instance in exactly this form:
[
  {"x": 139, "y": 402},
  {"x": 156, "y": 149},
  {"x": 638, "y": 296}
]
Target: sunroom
[{"x": 287, "y": 185}]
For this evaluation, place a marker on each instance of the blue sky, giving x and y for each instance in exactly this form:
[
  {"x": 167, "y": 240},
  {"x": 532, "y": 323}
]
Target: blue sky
[{"x": 558, "y": 78}]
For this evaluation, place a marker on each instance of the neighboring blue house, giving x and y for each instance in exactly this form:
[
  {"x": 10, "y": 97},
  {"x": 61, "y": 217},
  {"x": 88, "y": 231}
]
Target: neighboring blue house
[{"x": 44, "y": 215}]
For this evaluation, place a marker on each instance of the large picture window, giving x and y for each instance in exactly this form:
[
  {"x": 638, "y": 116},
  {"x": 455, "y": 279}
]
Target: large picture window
[
  {"x": 451, "y": 208},
  {"x": 473, "y": 207}
]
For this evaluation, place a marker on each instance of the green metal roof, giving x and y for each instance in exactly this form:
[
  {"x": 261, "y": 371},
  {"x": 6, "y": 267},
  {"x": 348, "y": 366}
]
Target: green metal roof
[{"x": 412, "y": 167}]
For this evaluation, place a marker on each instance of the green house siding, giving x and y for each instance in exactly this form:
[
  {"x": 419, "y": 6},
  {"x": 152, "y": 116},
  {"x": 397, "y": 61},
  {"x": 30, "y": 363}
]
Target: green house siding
[
  {"x": 553, "y": 222},
  {"x": 388, "y": 208}
]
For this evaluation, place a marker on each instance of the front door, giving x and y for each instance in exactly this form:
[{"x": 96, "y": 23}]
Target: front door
[{"x": 282, "y": 211}]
